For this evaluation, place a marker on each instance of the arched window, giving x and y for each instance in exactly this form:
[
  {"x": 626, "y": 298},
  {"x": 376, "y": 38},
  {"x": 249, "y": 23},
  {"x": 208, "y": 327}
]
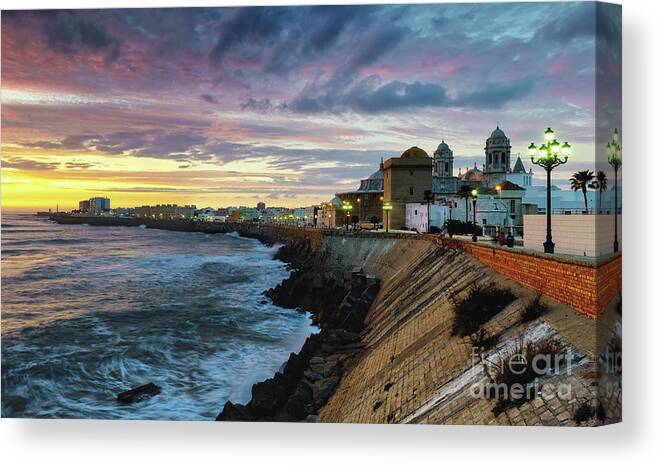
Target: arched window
[
  {"x": 489, "y": 158},
  {"x": 447, "y": 168}
]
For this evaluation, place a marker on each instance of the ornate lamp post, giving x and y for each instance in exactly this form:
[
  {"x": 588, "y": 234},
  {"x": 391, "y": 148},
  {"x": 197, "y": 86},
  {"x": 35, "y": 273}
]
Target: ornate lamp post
[
  {"x": 474, "y": 199},
  {"x": 346, "y": 206},
  {"x": 615, "y": 160},
  {"x": 387, "y": 207},
  {"x": 548, "y": 156}
]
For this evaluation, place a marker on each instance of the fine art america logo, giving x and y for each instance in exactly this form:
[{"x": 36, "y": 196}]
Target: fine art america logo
[{"x": 523, "y": 374}]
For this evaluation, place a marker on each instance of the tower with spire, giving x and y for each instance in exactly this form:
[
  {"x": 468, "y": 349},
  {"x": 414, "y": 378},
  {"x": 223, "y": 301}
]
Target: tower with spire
[
  {"x": 443, "y": 177},
  {"x": 497, "y": 157}
]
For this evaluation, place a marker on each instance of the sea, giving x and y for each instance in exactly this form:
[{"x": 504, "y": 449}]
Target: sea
[{"x": 88, "y": 312}]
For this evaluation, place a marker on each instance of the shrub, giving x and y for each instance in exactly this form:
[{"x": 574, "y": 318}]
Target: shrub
[
  {"x": 483, "y": 340},
  {"x": 534, "y": 310},
  {"x": 482, "y": 303},
  {"x": 586, "y": 412},
  {"x": 457, "y": 227},
  {"x": 583, "y": 413},
  {"x": 518, "y": 368}
]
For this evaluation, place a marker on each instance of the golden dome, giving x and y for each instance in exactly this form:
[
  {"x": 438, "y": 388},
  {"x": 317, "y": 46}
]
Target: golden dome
[{"x": 414, "y": 152}]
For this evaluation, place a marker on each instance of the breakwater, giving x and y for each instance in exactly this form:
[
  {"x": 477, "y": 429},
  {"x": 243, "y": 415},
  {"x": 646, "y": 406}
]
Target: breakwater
[{"x": 401, "y": 361}]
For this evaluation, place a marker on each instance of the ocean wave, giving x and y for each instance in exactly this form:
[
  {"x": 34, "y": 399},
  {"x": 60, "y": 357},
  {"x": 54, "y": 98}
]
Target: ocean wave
[
  {"x": 51, "y": 241},
  {"x": 135, "y": 306}
]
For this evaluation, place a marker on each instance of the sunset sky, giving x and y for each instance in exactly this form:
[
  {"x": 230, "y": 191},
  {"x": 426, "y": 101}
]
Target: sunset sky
[{"x": 218, "y": 106}]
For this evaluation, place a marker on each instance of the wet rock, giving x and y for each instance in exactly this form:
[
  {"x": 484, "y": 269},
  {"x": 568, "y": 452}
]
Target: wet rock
[
  {"x": 268, "y": 396},
  {"x": 308, "y": 379},
  {"x": 138, "y": 393},
  {"x": 323, "y": 389},
  {"x": 235, "y": 412}
]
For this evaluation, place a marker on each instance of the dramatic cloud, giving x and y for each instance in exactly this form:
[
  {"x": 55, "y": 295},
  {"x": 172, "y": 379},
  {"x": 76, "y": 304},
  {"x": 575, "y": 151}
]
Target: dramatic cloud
[
  {"x": 309, "y": 97},
  {"x": 27, "y": 164}
]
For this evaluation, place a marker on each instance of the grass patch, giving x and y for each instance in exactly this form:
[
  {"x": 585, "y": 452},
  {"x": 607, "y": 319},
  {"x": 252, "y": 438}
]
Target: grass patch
[
  {"x": 528, "y": 360},
  {"x": 535, "y": 309},
  {"x": 483, "y": 303}
]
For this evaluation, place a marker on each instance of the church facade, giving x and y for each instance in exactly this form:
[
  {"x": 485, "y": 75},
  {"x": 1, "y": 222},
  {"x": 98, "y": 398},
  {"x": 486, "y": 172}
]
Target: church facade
[
  {"x": 495, "y": 170},
  {"x": 415, "y": 177}
]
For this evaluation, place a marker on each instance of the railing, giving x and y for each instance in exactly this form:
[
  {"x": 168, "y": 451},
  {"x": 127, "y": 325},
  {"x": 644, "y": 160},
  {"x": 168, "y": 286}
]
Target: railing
[{"x": 590, "y": 211}]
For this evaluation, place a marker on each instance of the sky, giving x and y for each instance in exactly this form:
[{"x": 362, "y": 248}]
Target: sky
[{"x": 288, "y": 105}]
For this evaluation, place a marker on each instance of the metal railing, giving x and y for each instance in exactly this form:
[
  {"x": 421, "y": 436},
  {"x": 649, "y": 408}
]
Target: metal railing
[{"x": 590, "y": 211}]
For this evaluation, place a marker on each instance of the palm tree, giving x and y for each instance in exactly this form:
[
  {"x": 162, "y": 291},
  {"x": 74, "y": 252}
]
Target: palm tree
[
  {"x": 600, "y": 184},
  {"x": 428, "y": 199},
  {"x": 466, "y": 192},
  {"x": 581, "y": 180}
]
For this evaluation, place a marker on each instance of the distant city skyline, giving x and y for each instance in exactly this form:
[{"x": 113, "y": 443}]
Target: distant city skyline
[{"x": 232, "y": 106}]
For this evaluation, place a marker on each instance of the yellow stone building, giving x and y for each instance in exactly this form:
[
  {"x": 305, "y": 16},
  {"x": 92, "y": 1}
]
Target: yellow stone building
[{"x": 406, "y": 179}]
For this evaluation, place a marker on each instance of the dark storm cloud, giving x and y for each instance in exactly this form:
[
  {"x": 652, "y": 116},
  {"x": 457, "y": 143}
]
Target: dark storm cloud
[
  {"x": 578, "y": 21},
  {"x": 395, "y": 95},
  {"x": 262, "y": 105},
  {"x": 369, "y": 96},
  {"x": 187, "y": 148},
  {"x": 67, "y": 33},
  {"x": 495, "y": 95},
  {"x": 148, "y": 143},
  {"x": 208, "y": 98},
  {"x": 283, "y": 38},
  {"x": 28, "y": 164}
]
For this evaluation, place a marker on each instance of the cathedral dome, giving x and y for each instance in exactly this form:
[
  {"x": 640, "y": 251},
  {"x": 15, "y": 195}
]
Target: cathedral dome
[
  {"x": 498, "y": 134},
  {"x": 442, "y": 147},
  {"x": 414, "y": 152},
  {"x": 474, "y": 175}
]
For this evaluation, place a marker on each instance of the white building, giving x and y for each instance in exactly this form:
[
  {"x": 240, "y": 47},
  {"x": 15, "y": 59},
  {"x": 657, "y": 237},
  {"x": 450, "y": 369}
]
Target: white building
[
  {"x": 209, "y": 214},
  {"x": 98, "y": 205},
  {"x": 422, "y": 217}
]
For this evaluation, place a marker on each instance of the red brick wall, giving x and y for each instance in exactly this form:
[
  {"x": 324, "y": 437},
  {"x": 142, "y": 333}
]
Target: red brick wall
[{"x": 586, "y": 287}]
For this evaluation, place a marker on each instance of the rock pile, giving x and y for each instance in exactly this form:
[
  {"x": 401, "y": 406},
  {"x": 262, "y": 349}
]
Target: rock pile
[{"x": 310, "y": 377}]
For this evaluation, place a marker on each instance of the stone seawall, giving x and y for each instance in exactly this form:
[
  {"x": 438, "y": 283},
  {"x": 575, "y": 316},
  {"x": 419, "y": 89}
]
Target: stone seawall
[
  {"x": 404, "y": 363},
  {"x": 415, "y": 370}
]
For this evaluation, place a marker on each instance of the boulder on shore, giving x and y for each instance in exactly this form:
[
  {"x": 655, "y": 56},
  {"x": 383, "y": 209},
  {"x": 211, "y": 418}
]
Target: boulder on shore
[{"x": 138, "y": 393}]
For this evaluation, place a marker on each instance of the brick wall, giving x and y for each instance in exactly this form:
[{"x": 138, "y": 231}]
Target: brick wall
[{"x": 586, "y": 286}]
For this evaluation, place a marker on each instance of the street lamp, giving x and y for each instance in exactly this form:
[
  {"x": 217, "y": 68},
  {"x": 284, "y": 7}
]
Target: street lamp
[
  {"x": 474, "y": 199},
  {"x": 614, "y": 149},
  {"x": 548, "y": 156},
  {"x": 346, "y": 206},
  {"x": 387, "y": 207}
]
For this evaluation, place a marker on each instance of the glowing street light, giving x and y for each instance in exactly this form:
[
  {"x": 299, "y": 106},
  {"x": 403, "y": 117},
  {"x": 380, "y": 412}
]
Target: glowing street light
[
  {"x": 548, "y": 156},
  {"x": 474, "y": 199},
  {"x": 387, "y": 207},
  {"x": 346, "y": 206},
  {"x": 614, "y": 149}
]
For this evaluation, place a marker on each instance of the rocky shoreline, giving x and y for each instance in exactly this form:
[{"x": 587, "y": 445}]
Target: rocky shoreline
[
  {"x": 311, "y": 376},
  {"x": 339, "y": 302}
]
